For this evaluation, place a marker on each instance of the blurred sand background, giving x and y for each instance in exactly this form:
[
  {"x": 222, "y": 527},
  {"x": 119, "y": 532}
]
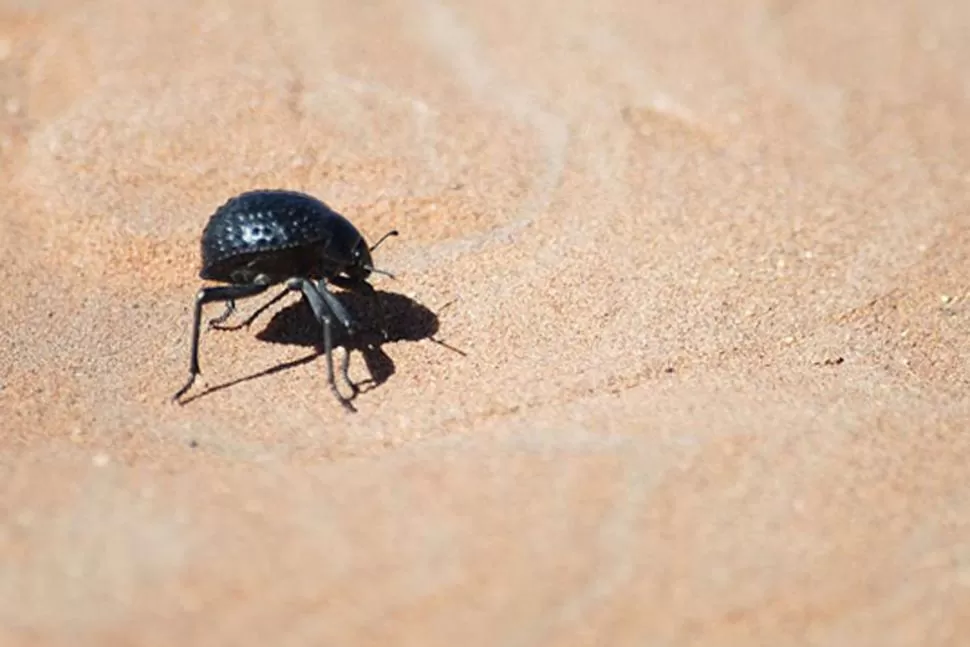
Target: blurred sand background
[{"x": 708, "y": 264}]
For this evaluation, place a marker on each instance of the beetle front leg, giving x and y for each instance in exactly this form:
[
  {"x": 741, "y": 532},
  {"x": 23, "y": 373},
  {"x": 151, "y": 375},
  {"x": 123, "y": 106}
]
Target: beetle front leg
[
  {"x": 338, "y": 308},
  {"x": 210, "y": 295},
  {"x": 323, "y": 308},
  {"x": 365, "y": 288}
]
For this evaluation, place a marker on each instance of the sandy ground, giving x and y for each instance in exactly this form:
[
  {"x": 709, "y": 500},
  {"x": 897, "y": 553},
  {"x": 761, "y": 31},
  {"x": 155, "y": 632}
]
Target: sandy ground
[{"x": 707, "y": 266}]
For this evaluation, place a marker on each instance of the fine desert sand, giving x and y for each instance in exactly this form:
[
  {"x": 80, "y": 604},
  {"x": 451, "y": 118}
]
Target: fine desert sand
[{"x": 679, "y": 329}]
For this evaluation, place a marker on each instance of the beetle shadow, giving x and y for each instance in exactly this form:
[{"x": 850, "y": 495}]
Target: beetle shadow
[{"x": 295, "y": 324}]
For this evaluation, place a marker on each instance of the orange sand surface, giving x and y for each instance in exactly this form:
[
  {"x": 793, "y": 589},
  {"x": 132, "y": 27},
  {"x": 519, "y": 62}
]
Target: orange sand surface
[{"x": 678, "y": 337}]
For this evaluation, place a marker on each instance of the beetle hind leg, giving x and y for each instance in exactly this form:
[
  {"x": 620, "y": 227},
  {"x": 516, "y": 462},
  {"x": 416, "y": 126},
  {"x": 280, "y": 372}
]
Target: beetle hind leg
[{"x": 227, "y": 293}]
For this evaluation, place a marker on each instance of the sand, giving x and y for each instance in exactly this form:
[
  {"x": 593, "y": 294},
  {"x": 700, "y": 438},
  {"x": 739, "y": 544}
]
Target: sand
[{"x": 679, "y": 330}]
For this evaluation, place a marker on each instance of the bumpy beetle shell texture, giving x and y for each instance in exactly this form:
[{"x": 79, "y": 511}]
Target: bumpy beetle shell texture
[{"x": 241, "y": 236}]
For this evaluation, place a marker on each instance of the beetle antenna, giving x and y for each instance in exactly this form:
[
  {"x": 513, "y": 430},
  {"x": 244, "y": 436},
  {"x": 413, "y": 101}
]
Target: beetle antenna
[
  {"x": 377, "y": 271},
  {"x": 393, "y": 232}
]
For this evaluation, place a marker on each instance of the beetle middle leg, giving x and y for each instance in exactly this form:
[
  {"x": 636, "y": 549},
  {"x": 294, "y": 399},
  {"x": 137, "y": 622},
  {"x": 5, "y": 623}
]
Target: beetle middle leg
[
  {"x": 211, "y": 295},
  {"x": 217, "y": 322}
]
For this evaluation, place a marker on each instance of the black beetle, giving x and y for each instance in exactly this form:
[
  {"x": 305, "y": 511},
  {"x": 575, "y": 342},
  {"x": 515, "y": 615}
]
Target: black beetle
[{"x": 263, "y": 238}]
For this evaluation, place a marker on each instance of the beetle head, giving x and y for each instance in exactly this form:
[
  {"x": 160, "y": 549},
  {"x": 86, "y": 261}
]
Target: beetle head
[{"x": 363, "y": 262}]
